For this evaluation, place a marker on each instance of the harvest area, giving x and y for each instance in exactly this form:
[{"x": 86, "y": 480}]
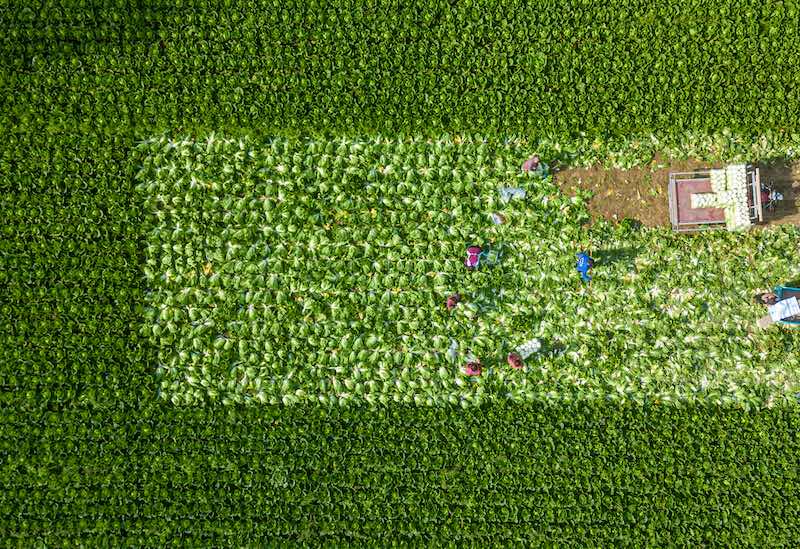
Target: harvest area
[
  {"x": 306, "y": 271},
  {"x": 285, "y": 273}
]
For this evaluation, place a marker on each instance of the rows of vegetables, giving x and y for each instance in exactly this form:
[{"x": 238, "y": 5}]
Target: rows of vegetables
[
  {"x": 556, "y": 68},
  {"x": 89, "y": 456},
  {"x": 71, "y": 256},
  {"x": 403, "y": 474},
  {"x": 317, "y": 271}
]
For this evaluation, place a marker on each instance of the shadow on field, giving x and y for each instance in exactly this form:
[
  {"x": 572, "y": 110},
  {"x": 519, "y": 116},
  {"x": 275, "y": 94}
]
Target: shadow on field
[{"x": 622, "y": 257}]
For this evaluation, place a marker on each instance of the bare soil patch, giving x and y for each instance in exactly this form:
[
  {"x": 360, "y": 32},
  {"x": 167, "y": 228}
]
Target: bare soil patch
[
  {"x": 785, "y": 178},
  {"x": 641, "y": 193}
]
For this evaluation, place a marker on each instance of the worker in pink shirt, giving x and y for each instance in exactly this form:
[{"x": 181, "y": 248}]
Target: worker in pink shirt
[{"x": 535, "y": 166}]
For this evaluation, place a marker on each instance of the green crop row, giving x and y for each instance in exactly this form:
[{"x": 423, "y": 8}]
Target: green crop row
[
  {"x": 500, "y": 475},
  {"x": 71, "y": 255},
  {"x": 609, "y": 69}
]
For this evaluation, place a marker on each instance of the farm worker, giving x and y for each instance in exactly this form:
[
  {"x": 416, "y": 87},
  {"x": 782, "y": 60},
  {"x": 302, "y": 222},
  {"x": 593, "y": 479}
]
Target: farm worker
[
  {"x": 491, "y": 255},
  {"x": 473, "y": 368},
  {"x": 770, "y": 299},
  {"x": 452, "y": 301},
  {"x": 473, "y": 257},
  {"x": 583, "y": 265},
  {"x": 509, "y": 193},
  {"x": 515, "y": 361},
  {"x": 535, "y": 166},
  {"x": 473, "y": 365},
  {"x": 768, "y": 196},
  {"x": 452, "y": 351}
]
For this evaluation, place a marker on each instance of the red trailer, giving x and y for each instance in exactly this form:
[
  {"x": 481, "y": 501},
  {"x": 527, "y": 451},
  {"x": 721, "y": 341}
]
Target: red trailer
[{"x": 685, "y": 218}]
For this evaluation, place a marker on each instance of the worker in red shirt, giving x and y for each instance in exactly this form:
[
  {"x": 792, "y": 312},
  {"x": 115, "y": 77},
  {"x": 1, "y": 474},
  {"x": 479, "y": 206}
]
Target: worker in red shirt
[
  {"x": 764, "y": 196},
  {"x": 452, "y": 301},
  {"x": 535, "y": 166}
]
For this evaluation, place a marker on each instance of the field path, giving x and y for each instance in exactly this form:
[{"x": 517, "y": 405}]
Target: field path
[{"x": 641, "y": 193}]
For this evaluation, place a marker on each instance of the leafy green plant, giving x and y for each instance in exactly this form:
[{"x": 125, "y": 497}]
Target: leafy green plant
[
  {"x": 90, "y": 457},
  {"x": 402, "y": 474},
  {"x": 315, "y": 276}
]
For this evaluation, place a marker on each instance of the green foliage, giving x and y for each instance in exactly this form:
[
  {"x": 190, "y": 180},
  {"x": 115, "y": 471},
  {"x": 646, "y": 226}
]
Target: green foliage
[
  {"x": 500, "y": 475},
  {"x": 70, "y": 273},
  {"x": 88, "y": 456},
  {"x": 317, "y": 271},
  {"x": 347, "y": 66}
]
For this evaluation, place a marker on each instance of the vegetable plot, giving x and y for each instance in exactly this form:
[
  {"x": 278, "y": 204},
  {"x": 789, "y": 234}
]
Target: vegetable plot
[{"x": 318, "y": 271}]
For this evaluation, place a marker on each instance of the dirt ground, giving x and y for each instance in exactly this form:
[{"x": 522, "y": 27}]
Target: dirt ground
[{"x": 641, "y": 193}]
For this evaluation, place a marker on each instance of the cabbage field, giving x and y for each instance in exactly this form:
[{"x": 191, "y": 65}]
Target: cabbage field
[
  {"x": 229, "y": 233},
  {"x": 316, "y": 271}
]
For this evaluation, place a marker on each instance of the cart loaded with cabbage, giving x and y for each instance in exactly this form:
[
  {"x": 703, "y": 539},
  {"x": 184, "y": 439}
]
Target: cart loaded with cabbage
[{"x": 711, "y": 199}]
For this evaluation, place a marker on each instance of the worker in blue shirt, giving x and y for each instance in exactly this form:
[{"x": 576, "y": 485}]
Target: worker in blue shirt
[{"x": 585, "y": 262}]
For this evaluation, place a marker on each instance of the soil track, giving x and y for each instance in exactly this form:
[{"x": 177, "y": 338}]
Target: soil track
[{"x": 641, "y": 193}]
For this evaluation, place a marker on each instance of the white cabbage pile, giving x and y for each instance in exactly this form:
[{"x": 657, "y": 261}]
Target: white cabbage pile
[
  {"x": 719, "y": 181},
  {"x": 528, "y": 348},
  {"x": 705, "y": 200},
  {"x": 737, "y": 212},
  {"x": 729, "y": 191}
]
